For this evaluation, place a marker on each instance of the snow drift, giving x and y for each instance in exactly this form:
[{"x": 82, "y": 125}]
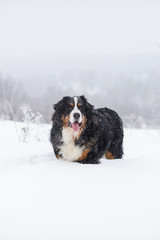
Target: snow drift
[{"x": 45, "y": 198}]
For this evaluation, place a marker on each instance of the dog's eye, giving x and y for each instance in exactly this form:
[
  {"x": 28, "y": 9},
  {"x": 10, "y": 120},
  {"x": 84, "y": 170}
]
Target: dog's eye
[
  {"x": 80, "y": 106},
  {"x": 71, "y": 105}
]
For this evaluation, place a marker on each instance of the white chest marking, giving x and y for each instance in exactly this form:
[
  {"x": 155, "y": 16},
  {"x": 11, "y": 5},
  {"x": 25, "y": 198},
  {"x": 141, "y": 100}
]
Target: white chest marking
[{"x": 70, "y": 152}]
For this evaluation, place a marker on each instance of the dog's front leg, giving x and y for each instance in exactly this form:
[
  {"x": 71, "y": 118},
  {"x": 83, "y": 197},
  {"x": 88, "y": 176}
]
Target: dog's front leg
[{"x": 88, "y": 157}]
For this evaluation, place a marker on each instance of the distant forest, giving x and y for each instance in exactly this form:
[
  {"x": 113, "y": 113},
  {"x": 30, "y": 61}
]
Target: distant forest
[{"x": 136, "y": 98}]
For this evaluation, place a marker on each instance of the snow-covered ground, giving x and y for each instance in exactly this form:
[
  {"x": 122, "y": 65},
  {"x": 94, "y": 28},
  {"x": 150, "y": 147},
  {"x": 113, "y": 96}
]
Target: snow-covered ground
[{"x": 42, "y": 198}]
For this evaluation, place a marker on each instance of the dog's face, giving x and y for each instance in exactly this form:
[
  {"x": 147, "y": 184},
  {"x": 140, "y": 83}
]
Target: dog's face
[{"x": 74, "y": 112}]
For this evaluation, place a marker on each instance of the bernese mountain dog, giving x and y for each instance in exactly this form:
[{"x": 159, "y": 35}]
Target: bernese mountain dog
[{"x": 83, "y": 134}]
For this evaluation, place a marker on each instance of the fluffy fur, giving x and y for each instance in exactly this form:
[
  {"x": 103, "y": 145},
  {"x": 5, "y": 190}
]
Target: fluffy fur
[{"x": 83, "y": 134}]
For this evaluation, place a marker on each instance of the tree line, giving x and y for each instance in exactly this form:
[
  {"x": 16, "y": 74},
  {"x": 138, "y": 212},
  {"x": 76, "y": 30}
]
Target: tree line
[{"x": 136, "y": 98}]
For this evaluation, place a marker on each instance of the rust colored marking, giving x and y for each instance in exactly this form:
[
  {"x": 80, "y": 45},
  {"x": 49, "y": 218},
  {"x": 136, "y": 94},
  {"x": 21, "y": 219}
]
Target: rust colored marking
[
  {"x": 65, "y": 120},
  {"x": 58, "y": 156},
  {"x": 79, "y": 104},
  {"x": 109, "y": 155},
  {"x": 84, "y": 154},
  {"x": 71, "y": 104}
]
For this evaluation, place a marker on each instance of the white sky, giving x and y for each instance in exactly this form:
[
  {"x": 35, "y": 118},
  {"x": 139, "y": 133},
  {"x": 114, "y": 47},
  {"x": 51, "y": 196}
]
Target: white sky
[{"x": 35, "y": 28}]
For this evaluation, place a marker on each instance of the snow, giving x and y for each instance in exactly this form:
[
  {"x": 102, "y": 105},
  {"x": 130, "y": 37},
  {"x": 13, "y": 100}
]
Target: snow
[{"x": 45, "y": 198}]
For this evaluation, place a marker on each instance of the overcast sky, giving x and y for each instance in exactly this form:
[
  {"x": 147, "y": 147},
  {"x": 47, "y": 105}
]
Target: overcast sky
[{"x": 35, "y": 28}]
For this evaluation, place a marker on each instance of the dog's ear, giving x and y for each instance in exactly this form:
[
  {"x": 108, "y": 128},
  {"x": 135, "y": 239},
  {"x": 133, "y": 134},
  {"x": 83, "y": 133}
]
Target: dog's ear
[
  {"x": 83, "y": 98},
  {"x": 89, "y": 107},
  {"x": 60, "y": 106}
]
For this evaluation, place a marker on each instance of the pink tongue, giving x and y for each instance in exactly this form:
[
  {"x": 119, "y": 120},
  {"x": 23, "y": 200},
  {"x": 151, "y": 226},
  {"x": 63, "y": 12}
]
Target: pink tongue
[{"x": 75, "y": 126}]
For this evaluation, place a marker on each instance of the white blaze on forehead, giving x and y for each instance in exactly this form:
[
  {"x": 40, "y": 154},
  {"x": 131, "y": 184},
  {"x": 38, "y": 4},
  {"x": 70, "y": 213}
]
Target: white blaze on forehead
[
  {"x": 75, "y": 103},
  {"x": 75, "y": 110}
]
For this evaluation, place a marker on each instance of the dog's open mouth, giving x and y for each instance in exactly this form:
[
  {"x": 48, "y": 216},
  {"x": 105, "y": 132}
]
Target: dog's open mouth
[{"x": 75, "y": 126}]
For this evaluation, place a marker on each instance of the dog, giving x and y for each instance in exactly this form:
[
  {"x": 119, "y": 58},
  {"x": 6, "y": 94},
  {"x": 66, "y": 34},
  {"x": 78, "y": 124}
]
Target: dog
[{"x": 83, "y": 134}]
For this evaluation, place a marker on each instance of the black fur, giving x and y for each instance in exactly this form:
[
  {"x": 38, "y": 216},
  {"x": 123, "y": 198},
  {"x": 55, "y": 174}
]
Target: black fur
[{"x": 103, "y": 130}]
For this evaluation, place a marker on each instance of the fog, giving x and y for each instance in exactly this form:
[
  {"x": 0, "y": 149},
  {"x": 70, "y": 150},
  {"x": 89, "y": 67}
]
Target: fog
[{"x": 106, "y": 50}]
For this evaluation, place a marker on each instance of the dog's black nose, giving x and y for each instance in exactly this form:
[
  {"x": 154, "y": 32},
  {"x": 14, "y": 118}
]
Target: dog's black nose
[{"x": 76, "y": 115}]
